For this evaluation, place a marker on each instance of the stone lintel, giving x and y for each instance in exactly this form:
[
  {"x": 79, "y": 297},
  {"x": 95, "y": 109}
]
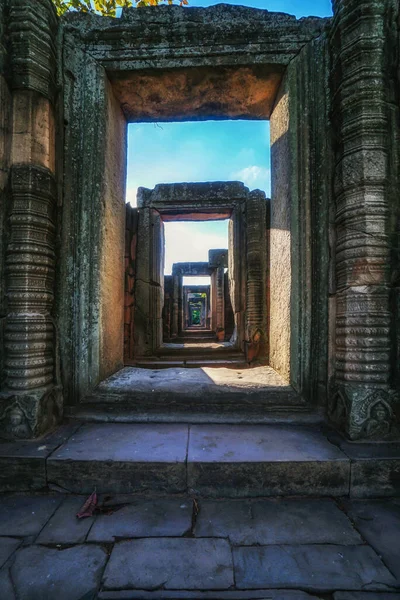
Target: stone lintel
[
  {"x": 181, "y": 198},
  {"x": 190, "y": 269}
]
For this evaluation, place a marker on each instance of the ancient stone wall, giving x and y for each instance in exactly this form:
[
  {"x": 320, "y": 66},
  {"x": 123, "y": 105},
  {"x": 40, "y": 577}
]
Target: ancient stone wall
[{"x": 331, "y": 89}]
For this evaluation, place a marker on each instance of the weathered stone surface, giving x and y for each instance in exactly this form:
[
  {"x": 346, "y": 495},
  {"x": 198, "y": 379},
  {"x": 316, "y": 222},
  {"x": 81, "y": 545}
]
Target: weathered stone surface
[
  {"x": 204, "y": 389},
  {"x": 69, "y": 574},
  {"x": 64, "y": 527},
  {"x": 264, "y": 461},
  {"x": 23, "y": 463},
  {"x": 262, "y": 522},
  {"x": 144, "y": 518},
  {"x": 365, "y": 596},
  {"x": 375, "y": 476},
  {"x": 6, "y": 586},
  {"x": 379, "y": 523},
  {"x": 319, "y": 567},
  {"x": 364, "y": 176},
  {"x": 192, "y": 37},
  {"x": 135, "y": 458},
  {"x": 8, "y": 545},
  {"x": 170, "y": 563},
  {"x": 25, "y": 515},
  {"x": 220, "y": 595}
]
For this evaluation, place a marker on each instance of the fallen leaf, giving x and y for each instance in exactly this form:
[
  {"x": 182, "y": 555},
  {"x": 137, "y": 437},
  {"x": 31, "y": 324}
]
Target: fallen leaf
[{"x": 89, "y": 507}]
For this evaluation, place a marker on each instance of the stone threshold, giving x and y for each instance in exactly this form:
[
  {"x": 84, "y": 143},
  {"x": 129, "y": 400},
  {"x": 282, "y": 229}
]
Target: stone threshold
[
  {"x": 211, "y": 395},
  {"x": 232, "y": 461}
]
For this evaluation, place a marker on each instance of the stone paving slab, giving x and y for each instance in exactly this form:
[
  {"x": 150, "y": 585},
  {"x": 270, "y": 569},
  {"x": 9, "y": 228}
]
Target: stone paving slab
[
  {"x": 170, "y": 563},
  {"x": 283, "y": 521},
  {"x": 379, "y": 524},
  {"x": 26, "y": 515},
  {"x": 41, "y": 573},
  {"x": 365, "y": 596},
  {"x": 319, "y": 568},
  {"x": 64, "y": 527},
  {"x": 8, "y": 545},
  {"x": 258, "y": 460},
  {"x": 144, "y": 518},
  {"x": 136, "y": 458},
  {"x": 6, "y": 587},
  {"x": 230, "y": 595}
]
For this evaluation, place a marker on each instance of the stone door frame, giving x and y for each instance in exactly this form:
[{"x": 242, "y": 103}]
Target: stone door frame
[
  {"x": 91, "y": 69},
  {"x": 165, "y": 204}
]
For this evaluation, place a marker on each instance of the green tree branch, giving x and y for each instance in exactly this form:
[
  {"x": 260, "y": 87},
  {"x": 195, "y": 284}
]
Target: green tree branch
[{"x": 107, "y": 8}]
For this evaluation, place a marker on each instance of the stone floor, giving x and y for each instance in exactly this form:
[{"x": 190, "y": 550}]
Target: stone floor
[
  {"x": 207, "y": 394},
  {"x": 180, "y": 547}
]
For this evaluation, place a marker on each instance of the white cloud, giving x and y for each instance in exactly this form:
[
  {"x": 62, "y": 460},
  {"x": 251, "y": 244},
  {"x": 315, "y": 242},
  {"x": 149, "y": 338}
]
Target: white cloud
[
  {"x": 254, "y": 176},
  {"x": 130, "y": 195},
  {"x": 185, "y": 242}
]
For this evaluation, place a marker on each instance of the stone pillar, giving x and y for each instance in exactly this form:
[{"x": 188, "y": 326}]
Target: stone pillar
[
  {"x": 218, "y": 260},
  {"x": 256, "y": 287},
  {"x": 149, "y": 283},
  {"x": 32, "y": 401},
  {"x": 220, "y": 302},
  {"x": 363, "y": 399},
  {"x": 177, "y": 290}
]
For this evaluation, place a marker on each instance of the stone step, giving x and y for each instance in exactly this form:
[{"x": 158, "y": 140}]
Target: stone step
[
  {"x": 236, "y": 461},
  {"x": 200, "y": 350},
  {"x": 203, "y": 460},
  {"x": 110, "y": 412},
  {"x": 168, "y": 362},
  {"x": 211, "y": 395}
]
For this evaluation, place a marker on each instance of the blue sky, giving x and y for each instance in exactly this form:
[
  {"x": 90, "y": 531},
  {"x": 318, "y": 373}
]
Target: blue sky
[{"x": 206, "y": 151}]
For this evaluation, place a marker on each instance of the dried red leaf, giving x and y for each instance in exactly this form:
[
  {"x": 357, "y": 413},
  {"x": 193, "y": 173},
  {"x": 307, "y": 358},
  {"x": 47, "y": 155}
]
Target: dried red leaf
[{"x": 89, "y": 507}]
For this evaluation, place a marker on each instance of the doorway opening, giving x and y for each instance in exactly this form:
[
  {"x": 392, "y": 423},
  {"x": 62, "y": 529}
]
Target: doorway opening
[
  {"x": 197, "y": 304},
  {"x": 213, "y": 229}
]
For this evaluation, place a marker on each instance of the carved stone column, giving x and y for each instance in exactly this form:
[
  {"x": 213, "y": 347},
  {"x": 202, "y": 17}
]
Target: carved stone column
[
  {"x": 256, "y": 286},
  {"x": 218, "y": 260},
  {"x": 177, "y": 291},
  {"x": 363, "y": 400},
  {"x": 31, "y": 401}
]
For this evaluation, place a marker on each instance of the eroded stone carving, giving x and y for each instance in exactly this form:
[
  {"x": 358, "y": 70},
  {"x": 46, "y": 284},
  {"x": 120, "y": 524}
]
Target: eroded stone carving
[
  {"x": 365, "y": 413},
  {"x": 363, "y": 227}
]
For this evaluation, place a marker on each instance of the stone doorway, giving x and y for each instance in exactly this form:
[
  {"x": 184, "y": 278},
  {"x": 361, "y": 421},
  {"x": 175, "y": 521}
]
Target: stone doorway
[
  {"x": 157, "y": 312},
  {"x": 102, "y": 80}
]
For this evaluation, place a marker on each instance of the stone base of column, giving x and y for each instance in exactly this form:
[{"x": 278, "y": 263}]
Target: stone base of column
[
  {"x": 26, "y": 415},
  {"x": 365, "y": 412}
]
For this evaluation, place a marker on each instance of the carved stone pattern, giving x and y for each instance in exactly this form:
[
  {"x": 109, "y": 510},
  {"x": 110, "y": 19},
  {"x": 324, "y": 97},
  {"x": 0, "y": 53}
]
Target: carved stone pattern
[
  {"x": 362, "y": 212},
  {"x": 32, "y": 32},
  {"x": 30, "y": 261}
]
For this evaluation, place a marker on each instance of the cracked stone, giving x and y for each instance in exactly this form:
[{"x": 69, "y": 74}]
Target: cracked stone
[
  {"x": 64, "y": 527},
  {"x": 276, "y": 521},
  {"x": 319, "y": 567},
  {"x": 25, "y": 515},
  {"x": 7, "y": 547},
  {"x": 179, "y": 563},
  {"x": 6, "y": 587},
  {"x": 144, "y": 518},
  {"x": 379, "y": 523},
  {"x": 70, "y": 574}
]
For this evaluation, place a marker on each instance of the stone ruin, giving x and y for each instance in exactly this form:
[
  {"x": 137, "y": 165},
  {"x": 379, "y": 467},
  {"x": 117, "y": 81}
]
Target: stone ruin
[{"x": 314, "y": 273}]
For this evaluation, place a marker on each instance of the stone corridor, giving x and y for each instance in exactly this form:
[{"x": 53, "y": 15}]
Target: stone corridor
[{"x": 185, "y": 548}]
